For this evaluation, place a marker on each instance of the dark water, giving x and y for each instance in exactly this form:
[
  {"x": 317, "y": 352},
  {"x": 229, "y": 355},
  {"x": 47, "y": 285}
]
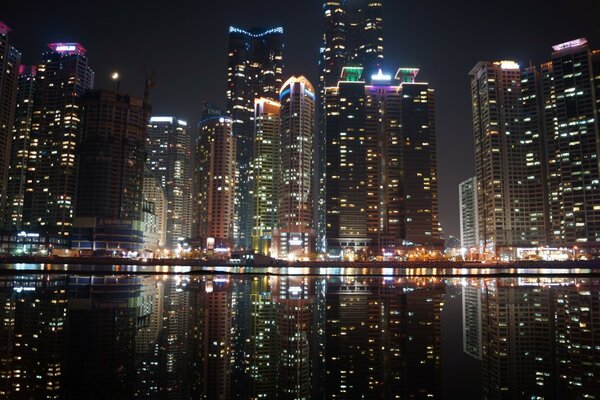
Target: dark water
[{"x": 222, "y": 336}]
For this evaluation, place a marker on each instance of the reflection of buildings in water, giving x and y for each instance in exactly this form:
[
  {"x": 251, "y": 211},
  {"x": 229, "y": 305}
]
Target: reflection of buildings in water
[
  {"x": 577, "y": 316},
  {"x": 150, "y": 325},
  {"x": 163, "y": 339},
  {"x": 295, "y": 336},
  {"x": 102, "y": 319},
  {"x": 241, "y": 314},
  {"x": 212, "y": 348},
  {"x": 516, "y": 340},
  {"x": 471, "y": 320},
  {"x": 538, "y": 340},
  {"x": 150, "y": 314},
  {"x": 383, "y": 339},
  {"x": 32, "y": 336},
  {"x": 262, "y": 356},
  {"x": 173, "y": 340}
]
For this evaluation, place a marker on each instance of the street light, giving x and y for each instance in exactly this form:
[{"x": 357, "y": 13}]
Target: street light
[{"x": 115, "y": 77}]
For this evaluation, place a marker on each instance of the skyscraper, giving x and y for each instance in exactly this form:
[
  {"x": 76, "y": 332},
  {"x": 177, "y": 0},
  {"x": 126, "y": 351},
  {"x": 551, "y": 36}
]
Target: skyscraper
[
  {"x": 573, "y": 139},
  {"x": 295, "y": 228},
  {"x": 509, "y": 200},
  {"x": 364, "y": 34},
  {"x": 111, "y": 172},
  {"x": 381, "y": 164},
  {"x": 214, "y": 180},
  {"x": 265, "y": 167},
  {"x": 353, "y": 36},
  {"x": 169, "y": 159},
  {"x": 63, "y": 76},
  {"x": 154, "y": 192},
  {"x": 469, "y": 226},
  {"x": 255, "y": 70},
  {"x": 418, "y": 160},
  {"x": 10, "y": 59},
  {"x": 20, "y": 173}
]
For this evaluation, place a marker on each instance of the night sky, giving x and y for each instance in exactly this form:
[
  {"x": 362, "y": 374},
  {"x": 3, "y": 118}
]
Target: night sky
[{"x": 185, "y": 43}]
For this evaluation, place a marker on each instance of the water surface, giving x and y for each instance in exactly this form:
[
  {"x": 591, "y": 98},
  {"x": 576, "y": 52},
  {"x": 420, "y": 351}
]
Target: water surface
[{"x": 122, "y": 332}]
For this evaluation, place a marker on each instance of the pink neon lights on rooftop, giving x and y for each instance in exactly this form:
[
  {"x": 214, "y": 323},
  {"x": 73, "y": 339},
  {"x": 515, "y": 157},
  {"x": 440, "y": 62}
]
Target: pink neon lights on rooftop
[
  {"x": 4, "y": 29},
  {"x": 27, "y": 69},
  {"x": 67, "y": 48},
  {"x": 569, "y": 45}
]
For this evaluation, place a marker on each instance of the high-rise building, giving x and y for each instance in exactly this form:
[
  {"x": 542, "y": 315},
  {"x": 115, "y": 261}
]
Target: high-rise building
[
  {"x": 214, "y": 180},
  {"x": 255, "y": 70},
  {"x": 353, "y": 36},
  {"x": 111, "y": 172},
  {"x": 20, "y": 173},
  {"x": 381, "y": 164},
  {"x": 169, "y": 149},
  {"x": 510, "y": 201},
  {"x": 571, "y": 105},
  {"x": 469, "y": 226},
  {"x": 418, "y": 160},
  {"x": 295, "y": 234},
  {"x": 154, "y": 193},
  {"x": 265, "y": 167},
  {"x": 63, "y": 76},
  {"x": 10, "y": 59}
]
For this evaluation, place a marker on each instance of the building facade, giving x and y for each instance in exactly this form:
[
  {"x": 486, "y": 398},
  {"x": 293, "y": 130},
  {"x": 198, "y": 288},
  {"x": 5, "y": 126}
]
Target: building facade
[
  {"x": 353, "y": 36},
  {"x": 571, "y": 104},
  {"x": 154, "y": 193},
  {"x": 63, "y": 76},
  {"x": 20, "y": 173},
  {"x": 214, "y": 181},
  {"x": 295, "y": 234},
  {"x": 381, "y": 164},
  {"x": 109, "y": 212},
  {"x": 10, "y": 60},
  {"x": 169, "y": 159},
  {"x": 469, "y": 226},
  {"x": 255, "y": 70},
  {"x": 265, "y": 168},
  {"x": 509, "y": 200}
]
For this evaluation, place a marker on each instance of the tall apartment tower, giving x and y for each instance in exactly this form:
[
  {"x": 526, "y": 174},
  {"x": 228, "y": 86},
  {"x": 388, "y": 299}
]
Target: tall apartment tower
[
  {"x": 381, "y": 164},
  {"x": 111, "y": 172},
  {"x": 10, "y": 60},
  {"x": 153, "y": 192},
  {"x": 509, "y": 200},
  {"x": 295, "y": 233},
  {"x": 265, "y": 173},
  {"x": 214, "y": 180},
  {"x": 255, "y": 70},
  {"x": 169, "y": 159},
  {"x": 571, "y": 94},
  {"x": 20, "y": 174},
  {"x": 63, "y": 76},
  {"x": 353, "y": 36},
  {"x": 418, "y": 161},
  {"x": 469, "y": 224}
]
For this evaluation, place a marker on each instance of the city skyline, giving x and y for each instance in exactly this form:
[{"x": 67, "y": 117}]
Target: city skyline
[{"x": 138, "y": 47}]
